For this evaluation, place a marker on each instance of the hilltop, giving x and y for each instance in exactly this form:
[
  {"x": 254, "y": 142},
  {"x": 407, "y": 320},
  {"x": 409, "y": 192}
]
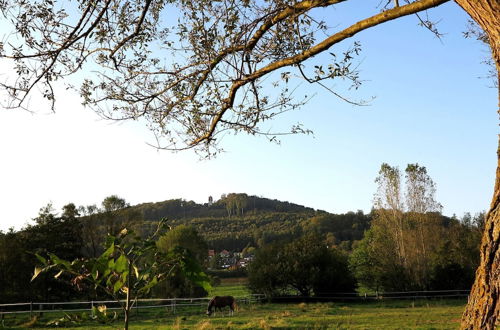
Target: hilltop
[{"x": 236, "y": 221}]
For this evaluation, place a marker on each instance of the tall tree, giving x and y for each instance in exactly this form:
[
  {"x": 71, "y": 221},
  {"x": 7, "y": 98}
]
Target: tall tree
[
  {"x": 411, "y": 221},
  {"x": 389, "y": 206},
  {"x": 423, "y": 212},
  {"x": 185, "y": 238},
  {"x": 93, "y": 231},
  {"x": 116, "y": 215},
  {"x": 215, "y": 82}
]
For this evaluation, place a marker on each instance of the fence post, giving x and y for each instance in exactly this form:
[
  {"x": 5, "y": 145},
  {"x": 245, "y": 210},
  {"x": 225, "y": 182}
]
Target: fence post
[
  {"x": 31, "y": 309},
  {"x": 92, "y": 308},
  {"x": 173, "y": 306},
  {"x": 136, "y": 306}
]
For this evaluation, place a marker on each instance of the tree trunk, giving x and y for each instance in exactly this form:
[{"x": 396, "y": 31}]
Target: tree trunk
[
  {"x": 483, "y": 308},
  {"x": 127, "y": 301}
]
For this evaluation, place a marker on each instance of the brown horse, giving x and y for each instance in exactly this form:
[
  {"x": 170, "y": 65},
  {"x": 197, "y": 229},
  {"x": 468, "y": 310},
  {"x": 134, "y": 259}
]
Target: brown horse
[{"x": 221, "y": 302}]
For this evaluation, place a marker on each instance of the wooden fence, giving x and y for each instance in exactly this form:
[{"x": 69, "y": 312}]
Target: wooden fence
[{"x": 173, "y": 305}]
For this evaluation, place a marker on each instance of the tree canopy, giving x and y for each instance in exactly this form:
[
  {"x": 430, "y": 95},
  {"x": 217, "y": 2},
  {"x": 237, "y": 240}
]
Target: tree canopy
[{"x": 192, "y": 69}]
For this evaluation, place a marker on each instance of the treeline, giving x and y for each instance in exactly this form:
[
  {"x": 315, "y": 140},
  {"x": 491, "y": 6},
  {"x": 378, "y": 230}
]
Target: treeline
[
  {"x": 81, "y": 232},
  {"x": 70, "y": 237},
  {"x": 228, "y": 206},
  {"x": 311, "y": 265},
  {"x": 405, "y": 243},
  {"x": 233, "y": 222},
  {"x": 49, "y": 233},
  {"x": 408, "y": 246},
  {"x": 257, "y": 230}
]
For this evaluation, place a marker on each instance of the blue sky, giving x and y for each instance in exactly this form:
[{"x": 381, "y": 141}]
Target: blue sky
[{"x": 431, "y": 107}]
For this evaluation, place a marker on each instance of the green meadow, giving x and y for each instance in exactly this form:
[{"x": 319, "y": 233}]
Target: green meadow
[
  {"x": 386, "y": 314},
  {"x": 231, "y": 287},
  {"x": 442, "y": 314}
]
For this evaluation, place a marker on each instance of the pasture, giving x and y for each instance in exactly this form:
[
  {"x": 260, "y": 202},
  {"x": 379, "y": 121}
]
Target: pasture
[
  {"x": 231, "y": 287},
  {"x": 386, "y": 314},
  {"x": 421, "y": 314}
]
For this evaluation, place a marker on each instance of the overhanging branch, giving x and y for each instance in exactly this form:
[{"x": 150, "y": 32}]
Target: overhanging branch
[{"x": 362, "y": 25}]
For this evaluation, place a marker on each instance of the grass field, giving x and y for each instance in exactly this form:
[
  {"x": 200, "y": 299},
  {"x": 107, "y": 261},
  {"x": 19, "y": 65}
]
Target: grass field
[
  {"x": 231, "y": 287},
  {"x": 387, "y": 314}
]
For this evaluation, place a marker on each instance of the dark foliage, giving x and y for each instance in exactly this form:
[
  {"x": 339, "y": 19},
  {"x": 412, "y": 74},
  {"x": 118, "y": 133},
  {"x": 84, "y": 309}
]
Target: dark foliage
[
  {"x": 17, "y": 260},
  {"x": 305, "y": 266}
]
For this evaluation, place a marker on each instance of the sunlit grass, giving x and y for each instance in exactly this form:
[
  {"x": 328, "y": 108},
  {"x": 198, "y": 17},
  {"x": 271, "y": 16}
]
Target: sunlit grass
[
  {"x": 421, "y": 314},
  {"x": 231, "y": 287},
  {"x": 383, "y": 314}
]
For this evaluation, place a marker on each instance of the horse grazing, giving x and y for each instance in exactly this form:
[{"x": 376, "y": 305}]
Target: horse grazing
[{"x": 221, "y": 302}]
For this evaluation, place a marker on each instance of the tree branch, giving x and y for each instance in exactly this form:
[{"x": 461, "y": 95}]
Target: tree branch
[{"x": 383, "y": 17}]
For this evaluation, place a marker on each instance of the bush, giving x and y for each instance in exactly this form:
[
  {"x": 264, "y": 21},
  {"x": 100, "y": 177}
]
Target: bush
[{"x": 305, "y": 266}]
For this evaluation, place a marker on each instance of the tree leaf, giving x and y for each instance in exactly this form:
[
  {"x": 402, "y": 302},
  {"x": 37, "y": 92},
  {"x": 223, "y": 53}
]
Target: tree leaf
[
  {"x": 150, "y": 284},
  {"x": 60, "y": 262},
  {"x": 117, "y": 286},
  {"x": 109, "y": 251},
  {"x": 37, "y": 272},
  {"x": 41, "y": 259},
  {"x": 136, "y": 271},
  {"x": 121, "y": 264}
]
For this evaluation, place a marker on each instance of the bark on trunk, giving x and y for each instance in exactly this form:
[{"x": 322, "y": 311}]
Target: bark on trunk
[{"x": 483, "y": 308}]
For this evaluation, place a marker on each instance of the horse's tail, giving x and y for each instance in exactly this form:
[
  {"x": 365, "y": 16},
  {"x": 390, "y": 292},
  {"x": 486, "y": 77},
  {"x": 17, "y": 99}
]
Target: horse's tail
[{"x": 234, "y": 305}]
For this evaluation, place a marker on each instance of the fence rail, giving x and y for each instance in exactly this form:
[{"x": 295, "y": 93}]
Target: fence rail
[
  {"x": 354, "y": 296},
  {"x": 176, "y": 304},
  {"x": 172, "y": 304}
]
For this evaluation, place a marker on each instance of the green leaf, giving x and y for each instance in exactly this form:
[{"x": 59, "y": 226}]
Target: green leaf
[
  {"x": 150, "y": 284},
  {"x": 205, "y": 285},
  {"x": 117, "y": 286},
  {"x": 124, "y": 277},
  {"x": 95, "y": 272},
  {"x": 41, "y": 259},
  {"x": 37, "y": 272},
  {"x": 108, "y": 281},
  {"x": 110, "y": 240},
  {"x": 109, "y": 251},
  {"x": 59, "y": 274},
  {"x": 136, "y": 271},
  {"x": 60, "y": 262},
  {"x": 121, "y": 264}
]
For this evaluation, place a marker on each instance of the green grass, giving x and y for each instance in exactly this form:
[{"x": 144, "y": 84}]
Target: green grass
[
  {"x": 384, "y": 314},
  {"x": 422, "y": 314},
  {"x": 231, "y": 287}
]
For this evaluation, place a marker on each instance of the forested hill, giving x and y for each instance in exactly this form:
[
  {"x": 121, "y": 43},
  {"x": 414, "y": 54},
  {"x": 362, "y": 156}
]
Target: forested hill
[
  {"x": 230, "y": 205},
  {"x": 236, "y": 221}
]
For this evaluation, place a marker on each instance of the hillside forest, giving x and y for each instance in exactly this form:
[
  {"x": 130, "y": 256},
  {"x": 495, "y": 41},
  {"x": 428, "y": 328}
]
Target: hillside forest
[{"x": 404, "y": 243}]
